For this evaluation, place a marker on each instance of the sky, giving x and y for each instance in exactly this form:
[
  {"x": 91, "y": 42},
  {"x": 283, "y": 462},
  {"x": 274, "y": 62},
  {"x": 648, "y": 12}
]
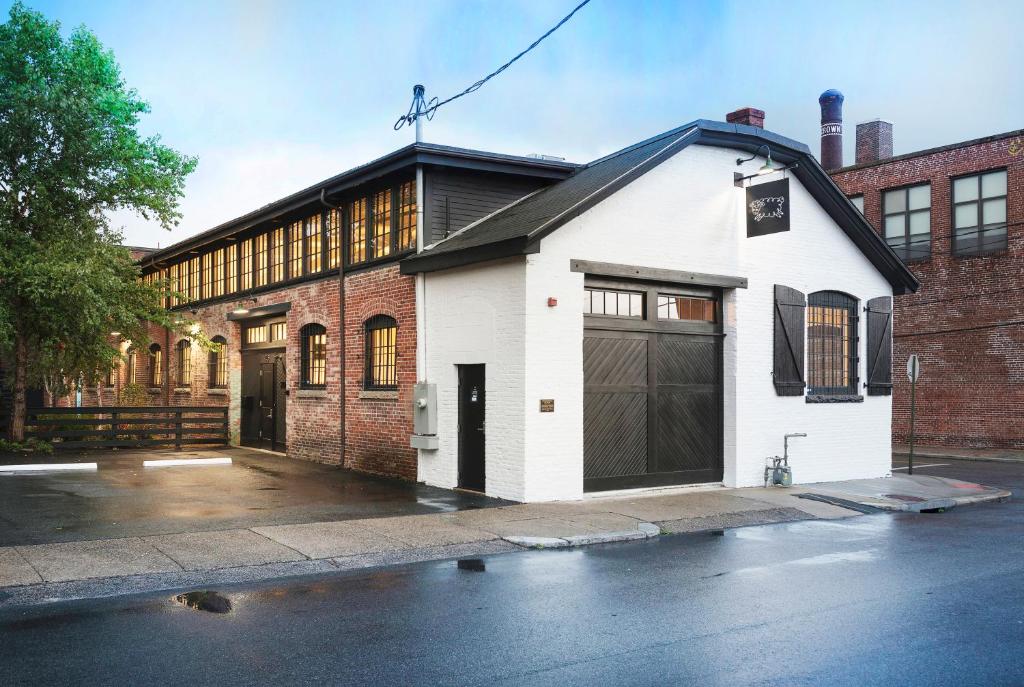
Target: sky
[{"x": 274, "y": 96}]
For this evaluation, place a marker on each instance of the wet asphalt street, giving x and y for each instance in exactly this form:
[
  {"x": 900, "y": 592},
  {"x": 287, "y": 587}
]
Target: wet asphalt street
[{"x": 929, "y": 599}]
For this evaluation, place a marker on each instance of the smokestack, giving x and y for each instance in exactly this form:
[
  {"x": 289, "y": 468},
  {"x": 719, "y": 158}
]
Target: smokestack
[
  {"x": 874, "y": 141},
  {"x": 751, "y": 116},
  {"x": 831, "y": 102}
]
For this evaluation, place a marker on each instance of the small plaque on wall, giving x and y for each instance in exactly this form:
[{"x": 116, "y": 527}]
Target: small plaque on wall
[
  {"x": 768, "y": 208},
  {"x": 547, "y": 405}
]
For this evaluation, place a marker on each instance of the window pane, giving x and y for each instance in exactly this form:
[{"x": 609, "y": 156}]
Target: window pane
[
  {"x": 381, "y": 224},
  {"x": 686, "y": 308},
  {"x": 278, "y": 331},
  {"x": 895, "y": 201},
  {"x": 831, "y": 343},
  {"x": 858, "y": 202},
  {"x": 965, "y": 189},
  {"x": 920, "y": 223},
  {"x": 994, "y": 211},
  {"x": 614, "y": 303},
  {"x": 993, "y": 184},
  {"x": 966, "y": 215},
  {"x": 894, "y": 227},
  {"x": 920, "y": 197},
  {"x": 357, "y": 231}
]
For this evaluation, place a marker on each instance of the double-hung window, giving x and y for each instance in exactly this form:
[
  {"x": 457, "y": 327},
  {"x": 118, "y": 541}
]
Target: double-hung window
[
  {"x": 979, "y": 213},
  {"x": 907, "y": 221}
]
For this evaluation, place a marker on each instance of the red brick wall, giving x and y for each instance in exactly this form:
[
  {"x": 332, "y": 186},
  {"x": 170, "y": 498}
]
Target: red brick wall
[
  {"x": 967, "y": 320},
  {"x": 378, "y": 424},
  {"x": 313, "y": 418}
]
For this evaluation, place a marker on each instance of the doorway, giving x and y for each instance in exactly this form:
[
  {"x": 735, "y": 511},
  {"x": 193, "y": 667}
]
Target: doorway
[
  {"x": 263, "y": 399},
  {"x": 472, "y": 473}
]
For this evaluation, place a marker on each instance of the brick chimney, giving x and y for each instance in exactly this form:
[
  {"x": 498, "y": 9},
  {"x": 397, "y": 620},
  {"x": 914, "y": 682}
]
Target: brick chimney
[
  {"x": 874, "y": 141},
  {"x": 831, "y": 102},
  {"x": 751, "y": 116}
]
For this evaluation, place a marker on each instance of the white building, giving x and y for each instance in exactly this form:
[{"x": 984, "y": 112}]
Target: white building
[{"x": 650, "y": 321}]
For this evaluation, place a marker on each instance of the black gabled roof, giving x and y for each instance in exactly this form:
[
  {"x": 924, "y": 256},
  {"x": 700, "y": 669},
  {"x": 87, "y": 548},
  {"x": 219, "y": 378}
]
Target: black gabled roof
[
  {"x": 519, "y": 228},
  {"x": 412, "y": 154}
]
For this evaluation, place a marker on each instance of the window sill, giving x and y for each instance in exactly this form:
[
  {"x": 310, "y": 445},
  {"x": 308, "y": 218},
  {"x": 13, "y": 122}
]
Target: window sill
[
  {"x": 381, "y": 395},
  {"x": 154, "y": 390},
  {"x": 311, "y": 393},
  {"x": 838, "y": 398},
  {"x": 217, "y": 391},
  {"x": 183, "y": 390}
]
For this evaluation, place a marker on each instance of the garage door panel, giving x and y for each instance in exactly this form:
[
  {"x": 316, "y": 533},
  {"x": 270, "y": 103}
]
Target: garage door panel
[
  {"x": 615, "y": 360},
  {"x": 614, "y": 434},
  {"x": 687, "y": 360},
  {"x": 687, "y": 430}
]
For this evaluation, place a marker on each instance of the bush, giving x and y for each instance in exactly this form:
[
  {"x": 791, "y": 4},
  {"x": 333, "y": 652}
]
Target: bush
[{"x": 30, "y": 445}]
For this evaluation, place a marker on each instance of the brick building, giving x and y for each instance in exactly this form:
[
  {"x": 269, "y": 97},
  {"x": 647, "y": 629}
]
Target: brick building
[
  {"x": 955, "y": 215},
  {"x": 317, "y": 326}
]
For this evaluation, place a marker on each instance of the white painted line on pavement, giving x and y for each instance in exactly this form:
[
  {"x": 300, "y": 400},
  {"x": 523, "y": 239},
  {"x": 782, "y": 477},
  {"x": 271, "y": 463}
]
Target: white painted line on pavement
[
  {"x": 172, "y": 462},
  {"x": 926, "y": 465},
  {"x": 42, "y": 467}
]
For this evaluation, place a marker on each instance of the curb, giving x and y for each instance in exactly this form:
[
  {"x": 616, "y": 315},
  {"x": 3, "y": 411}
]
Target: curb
[
  {"x": 644, "y": 530},
  {"x": 958, "y": 456}
]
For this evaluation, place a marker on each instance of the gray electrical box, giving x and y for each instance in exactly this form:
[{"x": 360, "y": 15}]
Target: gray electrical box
[{"x": 424, "y": 409}]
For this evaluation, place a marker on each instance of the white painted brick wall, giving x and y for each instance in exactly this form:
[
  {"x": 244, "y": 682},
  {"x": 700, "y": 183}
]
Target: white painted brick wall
[
  {"x": 684, "y": 215},
  {"x": 474, "y": 315}
]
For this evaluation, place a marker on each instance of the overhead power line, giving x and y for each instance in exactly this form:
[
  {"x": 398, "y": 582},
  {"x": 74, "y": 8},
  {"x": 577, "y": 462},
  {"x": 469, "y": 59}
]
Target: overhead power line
[{"x": 428, "y": 109}]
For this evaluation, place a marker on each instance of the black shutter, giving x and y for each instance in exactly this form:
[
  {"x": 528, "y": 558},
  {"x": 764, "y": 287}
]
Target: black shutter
[
  {"x": 880, "y": 346},
  {"x": 788, "y": 369}
]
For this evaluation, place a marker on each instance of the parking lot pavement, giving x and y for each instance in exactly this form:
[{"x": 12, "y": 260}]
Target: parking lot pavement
[{"x": 122, "y": 498}]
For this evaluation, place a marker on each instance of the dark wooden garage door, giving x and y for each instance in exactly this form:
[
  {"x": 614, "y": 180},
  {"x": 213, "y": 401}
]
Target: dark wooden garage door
[{"x": 652, "y": 412}]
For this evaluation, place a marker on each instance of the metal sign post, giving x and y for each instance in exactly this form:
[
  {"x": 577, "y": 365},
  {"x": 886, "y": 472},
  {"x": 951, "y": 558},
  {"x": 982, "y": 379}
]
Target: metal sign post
[{"x": 913, "y": 372}]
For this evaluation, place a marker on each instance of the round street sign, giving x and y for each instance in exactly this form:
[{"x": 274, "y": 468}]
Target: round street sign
[{"x": 913, "y": 367}]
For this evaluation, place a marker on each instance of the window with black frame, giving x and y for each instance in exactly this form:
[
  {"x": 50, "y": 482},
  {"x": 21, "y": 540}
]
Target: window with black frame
[
  {"x": 130, "y": 376},
  {"x": 907, "y": 221},
  {"x": 831, "y": 344},
  {"x": 156, "y": 366},
  {"x": 184, "y": 362},
  {"x": 218, "y": 372},
  {"x": 314, "y": 356},
  {"x": 979, "y": 213},
  {"x": 381, "y": 353},
  {"x": 357, "y": 231}
]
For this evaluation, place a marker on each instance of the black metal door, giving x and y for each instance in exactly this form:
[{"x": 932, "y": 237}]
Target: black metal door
[
  {"x": 263, "y": 400},
  {"x": 471, "y": 427},
  {"x": 652, "y": 401}
]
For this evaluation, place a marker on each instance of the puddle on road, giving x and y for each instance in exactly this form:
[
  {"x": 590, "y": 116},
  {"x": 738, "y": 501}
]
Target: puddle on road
[
  {"x": 472, "y": 565},
  {"x": 208, "y": 601}
]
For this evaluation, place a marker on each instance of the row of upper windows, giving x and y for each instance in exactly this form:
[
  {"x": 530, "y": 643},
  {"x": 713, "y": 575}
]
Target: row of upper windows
[
  {"x": 381, "y": 357},
  {"x": 374, "y": 227},
  {"x": 978, "y": 211}
]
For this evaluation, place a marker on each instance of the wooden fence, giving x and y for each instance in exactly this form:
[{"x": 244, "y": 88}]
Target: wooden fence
[{"x": 128, "y": 427}]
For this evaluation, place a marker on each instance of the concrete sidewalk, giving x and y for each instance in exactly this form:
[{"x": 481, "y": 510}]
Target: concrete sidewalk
[
  {"x": 380, "y": 541},
  {"x": 31, "y": 574},
  {"x": 908, "y": 493}
]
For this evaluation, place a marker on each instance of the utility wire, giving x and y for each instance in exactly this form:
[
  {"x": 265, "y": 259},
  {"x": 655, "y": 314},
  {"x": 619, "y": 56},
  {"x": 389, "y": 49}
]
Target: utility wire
[{"x": 410, "y": 117}]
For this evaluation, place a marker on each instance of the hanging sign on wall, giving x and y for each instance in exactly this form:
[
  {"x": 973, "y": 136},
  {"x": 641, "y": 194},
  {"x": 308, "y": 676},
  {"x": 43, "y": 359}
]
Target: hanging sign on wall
[{"x": 768, "y": 208}]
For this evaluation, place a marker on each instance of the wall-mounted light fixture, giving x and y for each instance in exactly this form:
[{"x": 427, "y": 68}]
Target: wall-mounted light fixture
[
  {"x": 766, "y": 168},
  {"x": 240, "y": 308}
]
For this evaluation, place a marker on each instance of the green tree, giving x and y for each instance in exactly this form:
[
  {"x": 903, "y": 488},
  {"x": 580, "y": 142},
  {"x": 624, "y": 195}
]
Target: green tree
[{"x": 70, "y": 153}]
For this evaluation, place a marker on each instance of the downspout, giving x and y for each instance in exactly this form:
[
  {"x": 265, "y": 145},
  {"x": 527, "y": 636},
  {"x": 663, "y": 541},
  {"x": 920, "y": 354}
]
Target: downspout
[
  {"x": 341, "y": 322},
  {"x": 421, "y": 285}
]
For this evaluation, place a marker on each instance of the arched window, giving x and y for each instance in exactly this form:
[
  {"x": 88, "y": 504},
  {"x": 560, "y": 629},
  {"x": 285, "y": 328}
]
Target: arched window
[
  {"x": 218, "y": 373},
  {"x": 381, "y": 353},
  {"x": 156, "y": 366},
  {"x": 130, "y": 377},
  {"x": 184, "y": 355},
  {"x": 313, "y": 338},
  {"x": 831, "y": 344}
]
